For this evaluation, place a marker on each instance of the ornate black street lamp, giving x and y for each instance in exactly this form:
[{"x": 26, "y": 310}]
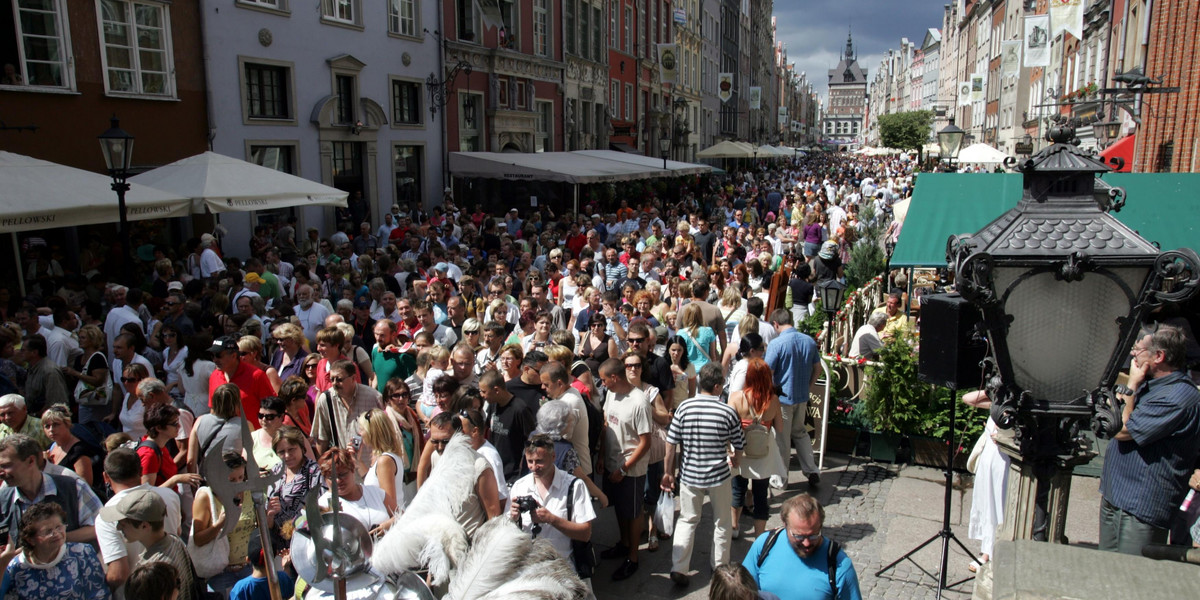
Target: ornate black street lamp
[
  {"x": 950, "y": 140},
  {"x": 117, "y": 145},
  {"x": 1063, "y": 288},
  {"x": 831, "y": 291}
]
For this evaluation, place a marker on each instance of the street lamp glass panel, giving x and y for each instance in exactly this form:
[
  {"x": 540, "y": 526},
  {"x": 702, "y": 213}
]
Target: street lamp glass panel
[
  {"x": 950, "y": 140},
  {"x": 1062, "y": 332},
  {"x": 117, "y": 146},
  {"x": 664, "y": 145},
  {"x": 831, "y": 295}
]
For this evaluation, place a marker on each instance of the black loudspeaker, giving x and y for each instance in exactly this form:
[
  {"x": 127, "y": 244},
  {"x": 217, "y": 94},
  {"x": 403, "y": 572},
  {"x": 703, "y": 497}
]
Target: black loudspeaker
[{"x": 951, "y": 349}]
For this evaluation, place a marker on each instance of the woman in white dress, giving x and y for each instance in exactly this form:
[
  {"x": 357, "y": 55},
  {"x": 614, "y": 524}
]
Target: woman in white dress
[
  {"x": 991, "y": 485},
  {"x": 382, "y": 439},
  {"x": 194, "y": 373},
  {"x": 757, "y": 404}
]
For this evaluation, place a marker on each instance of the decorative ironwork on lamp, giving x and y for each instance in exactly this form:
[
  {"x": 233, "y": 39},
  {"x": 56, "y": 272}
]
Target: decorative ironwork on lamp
[
  {"x": 1063, "y": 287},
  {"x": 117, "y": 146}
]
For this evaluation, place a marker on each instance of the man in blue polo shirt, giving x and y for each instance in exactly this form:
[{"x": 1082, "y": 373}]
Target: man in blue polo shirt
[
  {"x": 1146, "y": 467},
  {"x": 800, "y": 564},
  {"x": 791, "y": 356}
]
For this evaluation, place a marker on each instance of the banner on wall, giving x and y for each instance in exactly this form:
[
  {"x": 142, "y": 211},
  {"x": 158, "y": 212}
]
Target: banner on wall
[
  {"x": 490, "y": 10},
  {"x": 668, "y": 63},
  {"x": 977, "y": 80},
  {"x": 1010, "y": 57},
  {"x": 1037, "y": 41},
  {"x": 964, "y": 93},
  {"x": 755, "y": 97},
  {"x": 1066, "y": 15},
  {"x": 724, "y": 86}
]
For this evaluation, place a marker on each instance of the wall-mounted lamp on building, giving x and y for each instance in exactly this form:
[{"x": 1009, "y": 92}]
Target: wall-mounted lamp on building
[
  {"x": 356, "y": 128},
  {"x": 469, "y": 113}
]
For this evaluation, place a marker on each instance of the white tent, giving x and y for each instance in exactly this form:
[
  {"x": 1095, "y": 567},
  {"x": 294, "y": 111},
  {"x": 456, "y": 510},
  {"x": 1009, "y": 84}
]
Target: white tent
[
  {"x": 224, "y": 184},
  {"x": 674, "y": 167},
  {"x": 39, "y": 194},
  {"x": 565, "y": 167},
  {"x": 980, "y": 154},
  {"x": 727, "y": 149}
]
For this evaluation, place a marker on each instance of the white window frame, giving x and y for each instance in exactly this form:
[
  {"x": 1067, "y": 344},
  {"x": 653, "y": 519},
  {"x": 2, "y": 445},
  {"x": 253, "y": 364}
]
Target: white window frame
[
  {"x": 545, "y": 124},
  {"x": 272, "y": 6},
  {"x": 397, "y": 20},
  {"x": 541, "y": 27},
  {"x": 614, "y": 24},
  {"x": 614, "y": 97},
  {"x": 629, "y": 107},
  {"x": 420, "y": 91},
  {"x": 342, "y": 12},
  {"x": 63, "y": 38},
  {"x": 289, "y": 86},
  {"x": 628, "y": 45},
  {"x": 135, "y": 50}
]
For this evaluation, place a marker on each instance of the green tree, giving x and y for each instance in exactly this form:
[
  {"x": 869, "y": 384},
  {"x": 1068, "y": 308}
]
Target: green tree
[{"x": 906, "y": 131}]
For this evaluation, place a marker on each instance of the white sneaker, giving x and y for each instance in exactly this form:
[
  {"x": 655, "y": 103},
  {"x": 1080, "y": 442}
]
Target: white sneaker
[{"x": 777, "y": 482}]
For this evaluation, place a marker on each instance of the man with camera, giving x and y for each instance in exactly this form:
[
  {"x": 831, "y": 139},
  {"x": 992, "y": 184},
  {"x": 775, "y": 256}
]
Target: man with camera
[{"x": 550, "y": 496}]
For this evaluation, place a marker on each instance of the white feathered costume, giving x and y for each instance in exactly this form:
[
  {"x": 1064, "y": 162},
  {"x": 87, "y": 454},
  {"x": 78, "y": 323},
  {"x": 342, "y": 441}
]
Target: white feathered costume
[{"x": 500, "y": 561}]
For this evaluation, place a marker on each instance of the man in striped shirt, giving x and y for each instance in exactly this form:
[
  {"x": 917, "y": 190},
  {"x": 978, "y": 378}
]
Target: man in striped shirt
[{"x": 705, "y": 428}]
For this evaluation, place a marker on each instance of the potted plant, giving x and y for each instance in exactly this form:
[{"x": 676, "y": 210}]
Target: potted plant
[
  {"x": 894, "y": 396},
  {"x": 929, "y": 446}
]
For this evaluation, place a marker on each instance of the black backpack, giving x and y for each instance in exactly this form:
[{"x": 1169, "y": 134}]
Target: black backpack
[{"x": 831, "y": 557}]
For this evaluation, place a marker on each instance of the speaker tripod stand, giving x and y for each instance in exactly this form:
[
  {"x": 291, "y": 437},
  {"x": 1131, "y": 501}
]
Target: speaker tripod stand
[{"x": 946, "y": 534}]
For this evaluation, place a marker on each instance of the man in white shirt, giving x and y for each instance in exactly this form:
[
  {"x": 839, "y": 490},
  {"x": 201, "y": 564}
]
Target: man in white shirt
[
  {"x": 442, "y": 335},
  {"x": 123, "y": 471},
  {"x": 310, "y": 314},
  {"x": 556, "y": 382},
  {"x": 866, "y": 342},
  {"x": 120, "y": 314},
  {"x": 210, "y": 262},
  {"x": 549, "y": 488}
]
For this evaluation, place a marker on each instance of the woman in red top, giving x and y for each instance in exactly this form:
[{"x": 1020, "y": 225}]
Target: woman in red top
[
  {"x": 162, "y": 425},
  {"x": 757, "y": 401}
]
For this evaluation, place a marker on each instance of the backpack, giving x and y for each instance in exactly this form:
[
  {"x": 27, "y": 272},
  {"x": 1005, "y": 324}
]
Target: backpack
[
  {"x": 758, "y": 438},
  {"x": 157, "y": 455},
  {"x": 830, "y": 557}
]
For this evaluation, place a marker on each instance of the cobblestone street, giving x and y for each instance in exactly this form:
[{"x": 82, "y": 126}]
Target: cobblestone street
[{"x": 877, "y": 511}]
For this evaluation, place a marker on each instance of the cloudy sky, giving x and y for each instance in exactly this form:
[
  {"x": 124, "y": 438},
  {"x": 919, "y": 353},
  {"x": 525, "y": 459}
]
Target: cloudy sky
[{"x": 814, "y": 31}]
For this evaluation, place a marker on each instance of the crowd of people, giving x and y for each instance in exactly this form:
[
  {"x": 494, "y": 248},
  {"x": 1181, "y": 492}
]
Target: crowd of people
[{"x": 590, "y": 360}]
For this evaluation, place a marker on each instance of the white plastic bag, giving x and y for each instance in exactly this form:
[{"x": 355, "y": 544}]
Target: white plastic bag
[{"x": 664, "y": 514}]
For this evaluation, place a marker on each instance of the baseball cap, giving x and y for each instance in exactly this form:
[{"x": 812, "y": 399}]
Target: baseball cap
[
  {"x": 175, "y": 286},
  {"x": 137, "y": 504},
  {"x": 252, "y": 277},
  {"x": 828, "y": 250},
  {"x": 362, "y": 303},
  {"x": 223, "y": 344},
  {"x": 443, "y": 267}
]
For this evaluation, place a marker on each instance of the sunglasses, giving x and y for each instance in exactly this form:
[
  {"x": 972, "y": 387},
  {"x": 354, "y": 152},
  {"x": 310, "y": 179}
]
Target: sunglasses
[
  {"x": 633, "y": 365},
  {"x": 439, "y": 443},
  {"x": 338, "y": 379},
  {"x": 401, "y": 395},
  {"x": 267, "y": 416},
  {"x": 637, "y": 340}
]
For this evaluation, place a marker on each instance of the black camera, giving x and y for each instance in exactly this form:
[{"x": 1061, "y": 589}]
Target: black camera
[{"x": 527, "y": 503}]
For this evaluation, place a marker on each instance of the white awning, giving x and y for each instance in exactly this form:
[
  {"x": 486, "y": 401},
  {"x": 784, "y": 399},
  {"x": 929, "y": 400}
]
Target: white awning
[
  {"x": 674, "y": 167},
  {"x": 566, "y": 167},
  {"x": 39, "y": 194},
  {"x": 224, "y": 184},
  {"x": 980, "y": 154}
]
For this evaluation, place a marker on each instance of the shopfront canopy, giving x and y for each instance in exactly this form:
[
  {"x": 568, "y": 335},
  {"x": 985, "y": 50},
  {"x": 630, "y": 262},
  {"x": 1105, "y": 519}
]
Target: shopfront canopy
[
  {"x": 1162, "y": 207},
  {"x": 564, "y": 167},
  {"x": 221, "y": 183},
  {"x": 1123, "y": 149},
  {"x": 649, "y": 162},
  {"x": 39, "y": 194}
]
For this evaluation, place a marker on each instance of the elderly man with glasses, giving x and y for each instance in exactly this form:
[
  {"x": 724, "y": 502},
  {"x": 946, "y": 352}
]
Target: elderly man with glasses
[{"x": 347, "y": 400}]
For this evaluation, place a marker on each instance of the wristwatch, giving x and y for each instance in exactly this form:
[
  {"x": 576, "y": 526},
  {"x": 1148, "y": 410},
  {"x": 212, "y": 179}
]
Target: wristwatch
[{"x": 1122, "y": 390}]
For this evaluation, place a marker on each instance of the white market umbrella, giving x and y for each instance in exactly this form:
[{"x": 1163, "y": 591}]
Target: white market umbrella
[
  {"x": 981, "y": 154},
  {"x": 224, "y": 184},
  {"x": 39, "y": 194},
  {"x": 727, "y": 149}
]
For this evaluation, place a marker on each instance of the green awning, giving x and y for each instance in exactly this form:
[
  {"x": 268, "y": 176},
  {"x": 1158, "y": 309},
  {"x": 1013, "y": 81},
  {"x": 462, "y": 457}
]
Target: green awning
[{"x": 1162, "y": 207}]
